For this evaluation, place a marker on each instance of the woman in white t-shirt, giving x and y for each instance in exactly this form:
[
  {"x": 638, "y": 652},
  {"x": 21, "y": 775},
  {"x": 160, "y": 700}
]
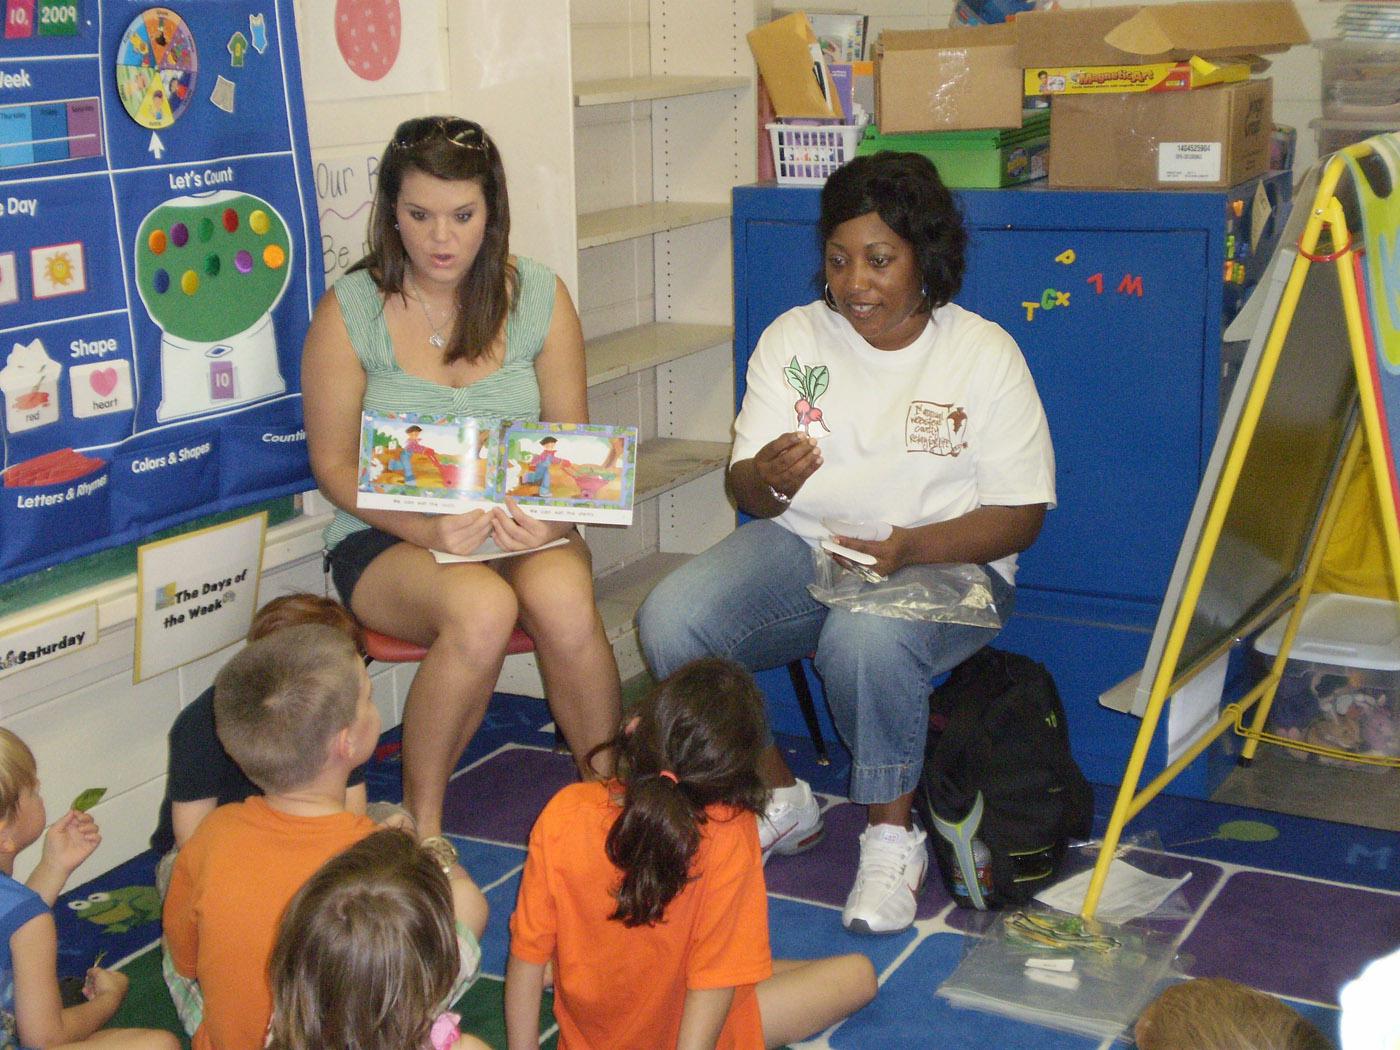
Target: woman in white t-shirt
[{"x": 882, "y": 402}]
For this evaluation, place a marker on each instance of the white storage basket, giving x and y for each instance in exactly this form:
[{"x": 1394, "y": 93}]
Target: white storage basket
[{"x": 804, "y": 155}]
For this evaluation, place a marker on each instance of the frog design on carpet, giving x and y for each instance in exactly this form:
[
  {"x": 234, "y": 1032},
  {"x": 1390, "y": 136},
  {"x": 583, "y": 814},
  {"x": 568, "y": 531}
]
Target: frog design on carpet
[{"x": 120, "y": 909}]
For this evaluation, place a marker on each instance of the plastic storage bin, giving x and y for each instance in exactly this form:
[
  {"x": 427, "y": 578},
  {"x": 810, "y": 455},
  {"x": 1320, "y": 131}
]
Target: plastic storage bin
[
  {"x": 1360, "y": 91},
  {"x": 1360, "y": 79},
  {"x": 805, "y": 154},
  {"x": 1332, "y": 135},
  {"x": 1341, "y": 685}
]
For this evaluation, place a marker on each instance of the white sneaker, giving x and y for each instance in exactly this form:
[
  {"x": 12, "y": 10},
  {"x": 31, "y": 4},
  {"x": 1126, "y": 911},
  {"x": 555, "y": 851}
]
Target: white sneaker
[
  {"x": 791, "y": 825},
  {"x": 893, "y": 862}
]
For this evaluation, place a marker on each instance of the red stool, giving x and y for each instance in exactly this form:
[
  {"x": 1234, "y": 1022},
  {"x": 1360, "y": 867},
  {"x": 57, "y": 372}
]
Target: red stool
[{"x": 390, "y": 650}]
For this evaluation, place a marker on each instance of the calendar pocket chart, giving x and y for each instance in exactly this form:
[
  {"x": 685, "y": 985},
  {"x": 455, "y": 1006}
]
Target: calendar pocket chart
[{"x": 157, "y": 271}]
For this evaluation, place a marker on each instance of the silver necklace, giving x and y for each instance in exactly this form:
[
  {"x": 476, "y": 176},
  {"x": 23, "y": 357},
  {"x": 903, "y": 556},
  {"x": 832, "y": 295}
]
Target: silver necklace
[{"x": 437, "y": 339}]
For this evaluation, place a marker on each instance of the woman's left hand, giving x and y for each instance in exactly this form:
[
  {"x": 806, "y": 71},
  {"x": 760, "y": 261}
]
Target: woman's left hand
[
  {"x": 515, "y": 530},
  {"x": 889, "y": 554}
]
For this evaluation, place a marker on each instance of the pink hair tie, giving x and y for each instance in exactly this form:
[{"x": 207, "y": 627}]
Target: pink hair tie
[
  {"x": 666, "y": 774},
  {"x": 444, "y": 1033}
]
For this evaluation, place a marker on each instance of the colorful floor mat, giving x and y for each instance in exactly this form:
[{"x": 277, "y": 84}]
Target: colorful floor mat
[{"x": 1286, "y": 904}]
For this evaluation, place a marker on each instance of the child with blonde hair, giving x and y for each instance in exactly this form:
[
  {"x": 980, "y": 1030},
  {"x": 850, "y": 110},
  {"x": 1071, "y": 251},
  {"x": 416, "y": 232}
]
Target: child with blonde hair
[
  {"x": 31, "y": 1012},
  {"x": 377, "y": 919},
  {"x": 1211, "y": 1013},
  {"x": 646, "y": 892}
]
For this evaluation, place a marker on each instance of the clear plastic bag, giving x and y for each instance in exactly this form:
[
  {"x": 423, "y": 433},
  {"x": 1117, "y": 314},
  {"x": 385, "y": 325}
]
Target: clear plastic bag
[
  {"x": 933, "y": 593},
  {"x": 1060, "y": 971}
]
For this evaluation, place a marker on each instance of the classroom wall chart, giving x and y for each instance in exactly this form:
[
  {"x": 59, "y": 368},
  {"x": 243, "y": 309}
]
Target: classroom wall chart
[{"x": 159, "y": 261}]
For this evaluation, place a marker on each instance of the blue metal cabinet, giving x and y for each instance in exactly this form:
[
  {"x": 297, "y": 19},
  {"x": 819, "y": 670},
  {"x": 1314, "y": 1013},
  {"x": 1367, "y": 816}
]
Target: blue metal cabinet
[{"x": 1116, "y": 300}]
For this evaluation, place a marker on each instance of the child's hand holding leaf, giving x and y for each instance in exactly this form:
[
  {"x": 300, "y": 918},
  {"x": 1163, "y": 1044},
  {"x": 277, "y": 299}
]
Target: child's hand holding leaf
[{"x": 70, "y": 841}]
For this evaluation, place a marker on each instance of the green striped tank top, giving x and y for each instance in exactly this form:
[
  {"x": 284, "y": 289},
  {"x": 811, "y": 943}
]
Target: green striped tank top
[{"x": 511, "y": 392}]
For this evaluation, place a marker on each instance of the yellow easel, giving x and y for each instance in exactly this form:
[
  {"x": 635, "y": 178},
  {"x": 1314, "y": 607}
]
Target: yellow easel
[{"x": 1325, "y": 241}]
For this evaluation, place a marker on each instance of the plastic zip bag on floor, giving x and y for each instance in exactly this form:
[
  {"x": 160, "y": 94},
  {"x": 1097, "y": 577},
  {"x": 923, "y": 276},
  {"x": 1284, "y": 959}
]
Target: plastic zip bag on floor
[{"x": 1058, "y": 970}]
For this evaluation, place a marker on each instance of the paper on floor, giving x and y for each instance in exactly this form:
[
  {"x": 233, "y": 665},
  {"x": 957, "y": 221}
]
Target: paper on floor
[{"x": 1128, "y": 893}]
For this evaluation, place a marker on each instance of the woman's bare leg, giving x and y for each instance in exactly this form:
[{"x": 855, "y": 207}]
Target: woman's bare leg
[
  {"x": 773, "y": 769},
  {"x": 804, "y": 997},
  {"x": 557, "y": 608},
  {"x": 464, "y": 614}
]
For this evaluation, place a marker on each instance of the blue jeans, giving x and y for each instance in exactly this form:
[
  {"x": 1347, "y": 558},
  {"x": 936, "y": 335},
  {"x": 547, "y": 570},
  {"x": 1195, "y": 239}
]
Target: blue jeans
[{"x": 746, "y": 598}]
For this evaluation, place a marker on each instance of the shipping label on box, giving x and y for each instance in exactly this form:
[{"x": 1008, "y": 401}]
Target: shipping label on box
[
  {"x": 1200, "y": 162},
  {"x": 1152, "y": 76}
]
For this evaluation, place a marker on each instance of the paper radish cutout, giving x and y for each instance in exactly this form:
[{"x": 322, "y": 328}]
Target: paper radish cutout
[{"x": 810, "y": 382}]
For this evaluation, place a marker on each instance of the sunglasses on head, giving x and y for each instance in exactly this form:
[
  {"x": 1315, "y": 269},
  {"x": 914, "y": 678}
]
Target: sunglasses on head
[{"x": 464, "y": 133}]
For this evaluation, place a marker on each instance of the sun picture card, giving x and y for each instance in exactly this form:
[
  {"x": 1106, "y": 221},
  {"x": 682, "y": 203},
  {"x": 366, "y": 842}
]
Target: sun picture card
[{"x": 450, "y": 464}]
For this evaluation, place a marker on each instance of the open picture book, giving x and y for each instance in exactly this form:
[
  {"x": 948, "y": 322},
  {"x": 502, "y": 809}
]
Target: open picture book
[{"x": 450, "y": 464}]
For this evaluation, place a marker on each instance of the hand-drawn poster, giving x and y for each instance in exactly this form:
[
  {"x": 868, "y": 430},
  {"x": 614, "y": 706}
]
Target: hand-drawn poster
[
  {"x": 345, "y": 184},
  {"x": 159, "y": 261},
  {"x": 370, "y": 48}
]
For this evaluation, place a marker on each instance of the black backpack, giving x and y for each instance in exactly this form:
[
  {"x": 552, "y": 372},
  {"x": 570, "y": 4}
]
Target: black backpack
[{"x": 998, "y": 769}]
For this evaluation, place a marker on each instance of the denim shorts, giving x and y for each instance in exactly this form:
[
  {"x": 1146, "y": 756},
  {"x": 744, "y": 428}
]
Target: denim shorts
[{"x": 349, "y": 559}]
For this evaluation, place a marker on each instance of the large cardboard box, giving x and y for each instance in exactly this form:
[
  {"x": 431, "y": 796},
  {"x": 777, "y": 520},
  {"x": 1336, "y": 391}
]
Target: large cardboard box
[
  {"x": 1217, "y": 136},
  {"x": 947, "y": 79},
  {"x": 1133, "y": 34}
]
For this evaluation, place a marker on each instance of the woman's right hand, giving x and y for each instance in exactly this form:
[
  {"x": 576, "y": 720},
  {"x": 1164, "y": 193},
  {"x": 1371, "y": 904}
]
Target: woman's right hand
[
  {"x": 458, "y": 533},
  {"x": 787, "y": 461}
]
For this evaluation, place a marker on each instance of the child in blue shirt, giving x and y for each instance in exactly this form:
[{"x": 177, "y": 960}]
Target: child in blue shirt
[{"x": 31, "y": 1012}]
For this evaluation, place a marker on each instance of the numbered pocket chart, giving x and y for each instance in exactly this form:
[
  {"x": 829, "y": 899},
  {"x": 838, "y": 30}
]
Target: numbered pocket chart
[{"x": 156, "y": 211}]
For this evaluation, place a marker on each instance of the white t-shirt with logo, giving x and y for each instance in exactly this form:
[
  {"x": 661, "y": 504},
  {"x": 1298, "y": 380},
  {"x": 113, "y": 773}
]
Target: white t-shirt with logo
[{"x": 948, "y": 424}]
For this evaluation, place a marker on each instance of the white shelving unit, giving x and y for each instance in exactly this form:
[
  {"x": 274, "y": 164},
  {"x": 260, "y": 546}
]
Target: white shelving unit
[{"x": 664, "y": 128}]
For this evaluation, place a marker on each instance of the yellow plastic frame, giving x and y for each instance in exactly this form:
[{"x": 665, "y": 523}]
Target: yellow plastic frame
[{"x": 1326, "y": 214}]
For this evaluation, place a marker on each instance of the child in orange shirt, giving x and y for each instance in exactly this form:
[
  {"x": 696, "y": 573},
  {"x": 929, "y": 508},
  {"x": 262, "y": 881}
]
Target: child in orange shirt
[
  {"x": 646, "y": 893},
  {"x": 367, "y": 954},
  {"x": 294, "y": 711}
]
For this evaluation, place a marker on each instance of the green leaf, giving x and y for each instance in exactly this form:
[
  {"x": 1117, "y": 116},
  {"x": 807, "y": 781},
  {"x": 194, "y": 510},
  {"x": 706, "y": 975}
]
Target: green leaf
[
  {"x": 796, "y": 377},
  {"x": 820, "y": 379},
  {"x": 87, "y": 799}
]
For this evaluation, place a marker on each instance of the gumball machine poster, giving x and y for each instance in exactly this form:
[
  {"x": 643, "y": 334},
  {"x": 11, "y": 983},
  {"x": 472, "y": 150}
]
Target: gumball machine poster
[{"x": 159, "y": 263}]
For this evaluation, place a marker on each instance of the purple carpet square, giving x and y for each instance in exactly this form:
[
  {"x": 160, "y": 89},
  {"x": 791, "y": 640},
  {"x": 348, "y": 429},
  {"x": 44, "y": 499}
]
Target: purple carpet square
[
  {"x": 825, "y": 872},
  {"x": 1252, "y": 932},
  {"x": 499, "y": 798}
]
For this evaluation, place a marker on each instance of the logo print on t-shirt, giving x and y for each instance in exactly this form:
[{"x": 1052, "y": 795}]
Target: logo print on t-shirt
[
  {"x": 937, "y": 428},
  {"x": 810, "y": 383}
]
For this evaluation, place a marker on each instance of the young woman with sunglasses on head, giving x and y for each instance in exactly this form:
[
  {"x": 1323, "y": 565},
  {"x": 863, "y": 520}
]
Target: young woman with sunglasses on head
[{"x": 440, "y": 317}]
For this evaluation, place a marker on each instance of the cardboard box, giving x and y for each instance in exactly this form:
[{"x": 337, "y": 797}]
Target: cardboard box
[
  {"x": 1215, "y": 137},
  {"x": 1152, "y": 76},
  {"x": 1133, "y": 35},
  {"x": 955, "y": 79}
]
